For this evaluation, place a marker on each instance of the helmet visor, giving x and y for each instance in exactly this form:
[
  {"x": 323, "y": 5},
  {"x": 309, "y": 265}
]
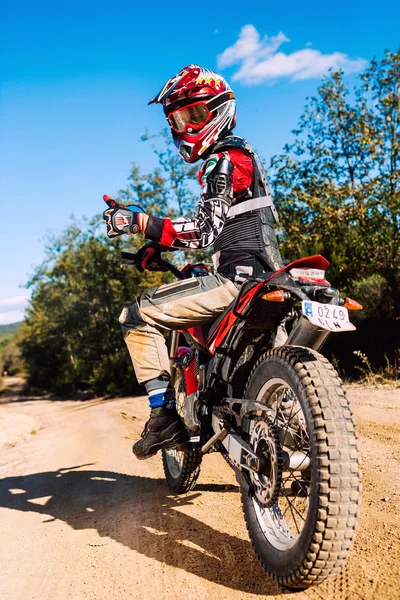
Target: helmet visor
[{"x": 194, "y": 116}]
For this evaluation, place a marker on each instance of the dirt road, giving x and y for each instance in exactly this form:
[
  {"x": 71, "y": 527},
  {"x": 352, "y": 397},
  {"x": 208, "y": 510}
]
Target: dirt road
[{"x": 80, "y": 518}]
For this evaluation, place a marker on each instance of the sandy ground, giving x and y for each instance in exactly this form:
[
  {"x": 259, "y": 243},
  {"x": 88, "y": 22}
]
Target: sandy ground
[{"x": 80, "y": 518}]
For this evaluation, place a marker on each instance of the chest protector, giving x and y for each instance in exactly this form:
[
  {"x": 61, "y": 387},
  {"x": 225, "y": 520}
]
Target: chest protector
[{"x": 247, "y": 245}]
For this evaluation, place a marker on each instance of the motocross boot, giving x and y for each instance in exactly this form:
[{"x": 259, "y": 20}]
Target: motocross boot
[{"x": 164, "y": 429}]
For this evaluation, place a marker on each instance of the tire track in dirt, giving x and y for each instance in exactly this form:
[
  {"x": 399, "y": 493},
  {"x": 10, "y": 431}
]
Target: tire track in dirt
[{"x": 81, "y": 518}]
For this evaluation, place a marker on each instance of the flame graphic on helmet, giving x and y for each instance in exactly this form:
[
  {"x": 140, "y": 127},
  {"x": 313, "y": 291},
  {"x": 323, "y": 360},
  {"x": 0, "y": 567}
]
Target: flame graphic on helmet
[{"x": 190, "y": 77}]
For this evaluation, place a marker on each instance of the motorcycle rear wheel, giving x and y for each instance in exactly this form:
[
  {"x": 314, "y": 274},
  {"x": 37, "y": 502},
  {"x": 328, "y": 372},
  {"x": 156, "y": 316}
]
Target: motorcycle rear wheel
[
  {"x": 305, "y": 532},
  {"x": 181, "y": 467}
]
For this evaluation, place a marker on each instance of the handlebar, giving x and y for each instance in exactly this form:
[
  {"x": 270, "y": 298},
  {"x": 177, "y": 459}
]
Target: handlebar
[{"x": 163, "y": 264}]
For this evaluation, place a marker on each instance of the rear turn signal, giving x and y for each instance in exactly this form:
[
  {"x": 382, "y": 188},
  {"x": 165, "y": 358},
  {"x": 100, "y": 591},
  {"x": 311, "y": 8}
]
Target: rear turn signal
[
  {"x": 352, "y": 304},
  {"x": 276, "y": 296}
]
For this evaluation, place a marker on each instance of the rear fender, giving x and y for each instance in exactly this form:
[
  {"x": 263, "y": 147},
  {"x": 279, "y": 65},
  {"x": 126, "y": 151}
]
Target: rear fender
[
  {"x": 309, "y": 262},
  {"x": 316, "y": 261},
  {"x": 306, "y": 334}
]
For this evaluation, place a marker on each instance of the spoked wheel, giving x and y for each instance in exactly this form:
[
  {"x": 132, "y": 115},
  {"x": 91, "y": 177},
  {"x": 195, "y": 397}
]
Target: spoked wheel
[
  {"x": 282, "y": 496},
  {"x": 181, "y": 467},
  {"x": 301, "y": 511}
]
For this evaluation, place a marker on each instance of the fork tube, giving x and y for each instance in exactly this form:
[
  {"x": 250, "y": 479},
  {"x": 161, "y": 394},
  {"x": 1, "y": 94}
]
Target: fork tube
[{"x": 173, "y": 346}]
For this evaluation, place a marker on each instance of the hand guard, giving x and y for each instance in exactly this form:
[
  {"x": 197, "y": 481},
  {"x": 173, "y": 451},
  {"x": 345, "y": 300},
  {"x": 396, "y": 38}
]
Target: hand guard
[{"x": 119, "y": 219}]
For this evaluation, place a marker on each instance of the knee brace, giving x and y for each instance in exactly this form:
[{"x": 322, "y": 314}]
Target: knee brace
[{"x": 130, "y": 318}]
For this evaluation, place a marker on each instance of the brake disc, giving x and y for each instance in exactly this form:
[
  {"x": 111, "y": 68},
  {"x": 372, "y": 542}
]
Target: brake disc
[{"x": 264, "y": 440}]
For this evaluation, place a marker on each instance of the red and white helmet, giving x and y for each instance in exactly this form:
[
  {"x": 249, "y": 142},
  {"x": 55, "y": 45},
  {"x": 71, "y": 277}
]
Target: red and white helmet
[{"x": 200, "y": 107}]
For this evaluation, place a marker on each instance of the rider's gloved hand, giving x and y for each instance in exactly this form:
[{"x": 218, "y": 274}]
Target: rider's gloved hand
[
  {"x": 121, "y": 220},
  {"x": 144, "y": 255}
]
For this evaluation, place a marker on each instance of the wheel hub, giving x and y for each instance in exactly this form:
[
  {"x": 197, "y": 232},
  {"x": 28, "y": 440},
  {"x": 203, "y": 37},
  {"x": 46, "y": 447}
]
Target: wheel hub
[{"x": 264, "y": 441}]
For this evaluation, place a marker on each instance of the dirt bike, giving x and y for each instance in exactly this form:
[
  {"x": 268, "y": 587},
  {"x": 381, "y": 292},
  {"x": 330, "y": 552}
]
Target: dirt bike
[{"x": 254, "y": 387}]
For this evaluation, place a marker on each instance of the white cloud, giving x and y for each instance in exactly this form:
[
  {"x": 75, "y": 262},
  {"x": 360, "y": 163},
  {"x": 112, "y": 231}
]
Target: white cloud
[
  {"x": 258, "y": 59},
  {"x": 13, "y": 309}
]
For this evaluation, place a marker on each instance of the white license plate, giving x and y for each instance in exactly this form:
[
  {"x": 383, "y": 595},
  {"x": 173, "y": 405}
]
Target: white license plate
[{"x": 327, "y": 316}]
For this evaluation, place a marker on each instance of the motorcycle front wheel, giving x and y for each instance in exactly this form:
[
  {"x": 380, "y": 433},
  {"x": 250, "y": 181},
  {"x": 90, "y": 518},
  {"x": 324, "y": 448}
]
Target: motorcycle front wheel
[{"x": 301, "y": 512}]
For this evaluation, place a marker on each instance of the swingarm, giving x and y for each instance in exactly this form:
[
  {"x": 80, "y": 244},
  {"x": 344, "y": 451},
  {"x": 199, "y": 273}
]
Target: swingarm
[{"x": 240, "y": 451}]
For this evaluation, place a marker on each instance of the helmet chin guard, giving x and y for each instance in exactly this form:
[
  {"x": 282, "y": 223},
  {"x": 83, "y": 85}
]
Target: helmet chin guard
[{"x": 186, "y": 150}]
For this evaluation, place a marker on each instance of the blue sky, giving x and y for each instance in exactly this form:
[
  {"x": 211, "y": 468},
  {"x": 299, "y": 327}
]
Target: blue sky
[{"x": 76, "y": 78}]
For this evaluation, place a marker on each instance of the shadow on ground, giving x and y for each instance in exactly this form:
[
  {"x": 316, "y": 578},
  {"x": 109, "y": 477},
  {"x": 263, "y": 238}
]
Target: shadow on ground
[{"x": 139, "y": 513}]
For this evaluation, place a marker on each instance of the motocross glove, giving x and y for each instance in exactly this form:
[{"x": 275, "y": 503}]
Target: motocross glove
[
  {"x": 144, "y": 255},
  {"x": 121, "y": 220}
]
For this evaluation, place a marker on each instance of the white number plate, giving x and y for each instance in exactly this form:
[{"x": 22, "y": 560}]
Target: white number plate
[{"x": 327, "y": 316}]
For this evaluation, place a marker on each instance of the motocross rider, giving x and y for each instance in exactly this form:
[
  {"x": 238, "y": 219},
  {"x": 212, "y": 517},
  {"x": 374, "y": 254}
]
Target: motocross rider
[{"x": 235, "y": 214}]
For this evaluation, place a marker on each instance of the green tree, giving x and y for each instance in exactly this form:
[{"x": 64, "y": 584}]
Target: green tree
[
  {"x": 71, "y": 338},
  {"x": 10, "y": 355},
  {"x": 337, "y": 185},
  {"x": 170, "y": 190},
  {"x": 179, "y": 174}
]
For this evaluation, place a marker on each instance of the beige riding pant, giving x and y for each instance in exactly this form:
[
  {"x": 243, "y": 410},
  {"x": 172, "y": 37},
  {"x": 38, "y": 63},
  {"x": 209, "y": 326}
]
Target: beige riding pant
[{"x": 178, "y": 305}]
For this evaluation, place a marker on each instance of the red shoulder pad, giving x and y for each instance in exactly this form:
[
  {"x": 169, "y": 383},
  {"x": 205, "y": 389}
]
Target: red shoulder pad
[{"x": 243, "y": 169}]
